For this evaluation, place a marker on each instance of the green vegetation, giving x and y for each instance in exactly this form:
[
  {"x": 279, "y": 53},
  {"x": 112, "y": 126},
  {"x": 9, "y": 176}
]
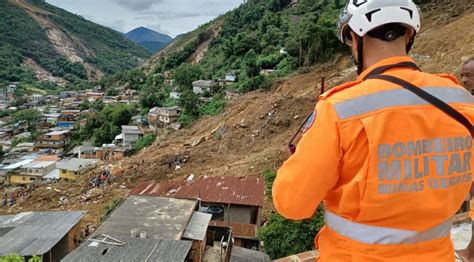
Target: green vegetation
[
  {"x": 21, "y": 37},
  {"x": 110, "y": 208},
  {"x": 285, "y": 237},
  {"x": 263, "y": 35},
  {"x": 104, "y": 126},
  {"x": 18, "y": 258},
  {"x": 144, "y": 142}
]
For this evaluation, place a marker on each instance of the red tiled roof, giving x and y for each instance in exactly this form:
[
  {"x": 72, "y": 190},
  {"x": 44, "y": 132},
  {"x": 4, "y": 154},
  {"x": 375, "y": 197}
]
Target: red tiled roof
[
  {"x": 238, "y": 230},
  {"x": 228, "y": 190}
]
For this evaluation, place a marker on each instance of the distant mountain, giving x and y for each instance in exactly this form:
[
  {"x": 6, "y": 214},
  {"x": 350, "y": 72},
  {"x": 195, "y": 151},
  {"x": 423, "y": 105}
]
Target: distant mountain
[
  {"x": 150, "y": 39},
  {"x": 153, "y": 46},
  {"x": 51, "y": 40}
]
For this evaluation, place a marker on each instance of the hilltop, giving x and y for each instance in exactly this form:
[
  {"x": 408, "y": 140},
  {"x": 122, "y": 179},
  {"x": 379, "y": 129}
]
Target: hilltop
[
  {"x": 39, "y": 40},
  {"x": 148, "y": 38}
]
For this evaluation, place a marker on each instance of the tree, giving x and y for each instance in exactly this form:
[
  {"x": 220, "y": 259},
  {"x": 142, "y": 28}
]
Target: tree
[
  {"x": 186, "y": 74},
  {"x": 189, "y": 102},
  {"x": 285, "y": 237}
]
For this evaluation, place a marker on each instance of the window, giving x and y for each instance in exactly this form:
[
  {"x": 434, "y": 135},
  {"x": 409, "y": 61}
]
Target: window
[
  {"x": 63, "y": 172},
  {"x": 23, "y": 178}
]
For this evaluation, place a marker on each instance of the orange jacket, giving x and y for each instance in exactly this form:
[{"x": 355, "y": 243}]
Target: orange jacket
[{"x": 382, "y": 158}]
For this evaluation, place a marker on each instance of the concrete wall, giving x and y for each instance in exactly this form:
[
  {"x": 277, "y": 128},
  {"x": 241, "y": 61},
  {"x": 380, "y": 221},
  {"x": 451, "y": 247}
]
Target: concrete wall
[
  {"x": 66, "y": 245},
  {"x": 238, "y": 214}
]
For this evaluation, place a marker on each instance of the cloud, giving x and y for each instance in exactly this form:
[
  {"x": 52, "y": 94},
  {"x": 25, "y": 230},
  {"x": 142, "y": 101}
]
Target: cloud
[{"x": 138, "y": 5}]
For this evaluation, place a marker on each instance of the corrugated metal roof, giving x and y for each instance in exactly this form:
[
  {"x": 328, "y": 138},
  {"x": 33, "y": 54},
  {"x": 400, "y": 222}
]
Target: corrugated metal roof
[
  {"x": 76, "y": 164},
  {"x": 238, "y": 230},
  {"x": 136, "y": 249},
  {"x": 229, "y": 190},
  {"x": 35, "y": 233},
  {"x": 197, "y": 226},
  {"x": 39, "y": 164},
  {"x": 161, "y": 218},
  {"x": 18, "y": 164}
]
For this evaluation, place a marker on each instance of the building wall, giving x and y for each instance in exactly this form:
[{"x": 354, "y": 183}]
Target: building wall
[
  {"x": 67, "y": 174},
  {"x": 19, "y": 179},
  {"x": 67, "y": 244},
  {"x": 238, "y": 214}
]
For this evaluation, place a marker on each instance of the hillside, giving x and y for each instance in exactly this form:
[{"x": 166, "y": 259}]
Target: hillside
[
  {"x": 148, "y": 38},
  {"x": 251, "y": 135},
  {"x": 55, "y": 41}
]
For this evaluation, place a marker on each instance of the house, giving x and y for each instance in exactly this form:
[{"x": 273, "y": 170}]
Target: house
[
  {"x": 228, "y": 79},
  {"x": 110, "y": 152},
  {"x": 56, "y": 141},
  {"x": 94, "y": 96},
  {"x": 106, "y": 152},
  {"x": 68, "y": 118},
  {"x": 129, "y": 136},
  {"x": 32, "y": 173},
  {"x": 164, "y": 116},
  {"x": 175, "y": 95},
  {"x": 85, "y": 152},
  {"x": 234, "y": 202},
  {"x": 49, "y": 235},
  {"x": 13, "y": 166},
  {"x": 153, "y": 229},
  {"x": 36, "y": 98},
  {"x": 22, "y": 148},
  {"x": 201, "y": 87},
  {"x": 71, "y": 169}
]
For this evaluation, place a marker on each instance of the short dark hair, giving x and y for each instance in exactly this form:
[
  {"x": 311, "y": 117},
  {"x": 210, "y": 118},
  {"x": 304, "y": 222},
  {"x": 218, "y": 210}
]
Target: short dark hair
[
  {"x": 468, "y": 61},
  {"x": 388, "y": 32}
]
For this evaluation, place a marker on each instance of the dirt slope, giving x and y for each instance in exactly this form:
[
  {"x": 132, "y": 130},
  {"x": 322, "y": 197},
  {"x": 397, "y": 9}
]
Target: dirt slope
[{"x": 251, "y": 135}]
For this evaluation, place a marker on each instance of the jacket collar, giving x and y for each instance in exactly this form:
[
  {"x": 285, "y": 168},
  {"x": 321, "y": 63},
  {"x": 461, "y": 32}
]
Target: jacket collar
[{"x": 384, "y": 62}]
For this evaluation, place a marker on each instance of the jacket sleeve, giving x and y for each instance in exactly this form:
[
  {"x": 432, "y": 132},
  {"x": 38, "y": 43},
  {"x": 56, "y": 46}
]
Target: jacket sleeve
[{"x": 306, "y": 177}]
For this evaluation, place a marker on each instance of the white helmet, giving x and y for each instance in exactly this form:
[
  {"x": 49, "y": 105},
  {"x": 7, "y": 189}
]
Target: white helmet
[{"x": 362, "y": 16}]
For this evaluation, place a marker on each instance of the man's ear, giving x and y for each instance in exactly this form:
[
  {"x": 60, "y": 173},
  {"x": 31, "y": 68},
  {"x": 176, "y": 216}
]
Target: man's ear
[
  {"x": 410, "y": 34},
  {"x": 355, "y": 45}
]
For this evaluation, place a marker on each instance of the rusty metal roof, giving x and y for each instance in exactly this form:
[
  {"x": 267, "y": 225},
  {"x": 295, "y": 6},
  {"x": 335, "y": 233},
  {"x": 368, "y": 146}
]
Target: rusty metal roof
[
  {"x": 247, "y": 191},
  {"x": 238, "y": 230}
]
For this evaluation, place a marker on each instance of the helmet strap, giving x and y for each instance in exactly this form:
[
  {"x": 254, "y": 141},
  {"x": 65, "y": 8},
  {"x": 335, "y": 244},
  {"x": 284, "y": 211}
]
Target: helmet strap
[
  {"x": 360, "y": 55},
  {"x": 410, "y": 44}
]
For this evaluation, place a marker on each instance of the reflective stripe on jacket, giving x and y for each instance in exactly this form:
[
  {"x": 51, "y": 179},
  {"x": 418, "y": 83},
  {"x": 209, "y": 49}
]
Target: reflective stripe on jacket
[{"x": 382, "y": 157}]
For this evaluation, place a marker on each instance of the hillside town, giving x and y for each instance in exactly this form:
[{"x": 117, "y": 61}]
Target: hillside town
[{"x": 61, "y": 116}]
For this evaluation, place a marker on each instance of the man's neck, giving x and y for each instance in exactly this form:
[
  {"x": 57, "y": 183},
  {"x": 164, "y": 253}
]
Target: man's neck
[{"x": 377, "y": 52}]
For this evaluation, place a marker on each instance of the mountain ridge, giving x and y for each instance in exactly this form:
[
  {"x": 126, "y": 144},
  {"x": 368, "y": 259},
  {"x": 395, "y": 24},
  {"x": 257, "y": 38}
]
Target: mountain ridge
[{"x": 149, "y": 38}]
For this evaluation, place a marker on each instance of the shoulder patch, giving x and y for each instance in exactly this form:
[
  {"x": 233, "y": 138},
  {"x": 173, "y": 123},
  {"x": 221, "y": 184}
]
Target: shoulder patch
[
  {"x": 450, "y": 77},
  {"x": 338, "y": 88},
  {"x": 310, "y": 122}
]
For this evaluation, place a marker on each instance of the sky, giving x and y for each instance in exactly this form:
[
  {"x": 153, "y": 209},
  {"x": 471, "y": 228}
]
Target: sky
[{"x": 172, "y": 17}]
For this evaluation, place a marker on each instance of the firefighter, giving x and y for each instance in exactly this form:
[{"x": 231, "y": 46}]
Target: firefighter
[
  {"x": 467, "y": 74},
  {"x": 391, "y": 167},
  {"x": 467, "y": 79}
]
